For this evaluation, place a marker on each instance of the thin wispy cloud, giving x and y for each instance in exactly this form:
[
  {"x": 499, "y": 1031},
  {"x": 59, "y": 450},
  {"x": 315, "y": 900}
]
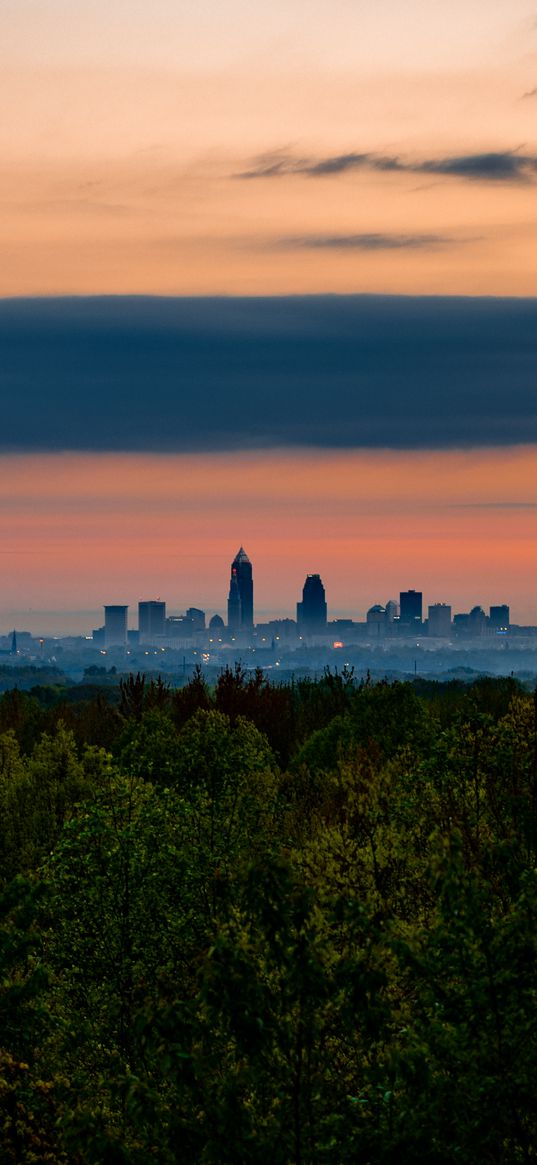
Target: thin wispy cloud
[
  {"x": 496, "y": 505},
  {"x": 85, "y": 206},
  {"x": 497, "y": 166},
  {"x": 366, "y": 242}
]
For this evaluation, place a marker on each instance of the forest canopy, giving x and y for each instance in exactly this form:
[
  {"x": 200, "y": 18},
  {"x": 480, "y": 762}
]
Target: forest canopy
[{"x": 292, "y": 924}]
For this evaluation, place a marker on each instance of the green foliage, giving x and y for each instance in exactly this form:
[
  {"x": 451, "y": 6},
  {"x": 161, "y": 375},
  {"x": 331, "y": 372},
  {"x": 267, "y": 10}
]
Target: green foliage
[
  {"x": 138, "y": 697},
  {"x": 27, "y": 1102},
  {"x": 317, "y": 702},
  {"x": 213, "y": 752},
  {"x": 284, "y": 1067},
  {"x": 383, "y": 718},
  {"x": 40, "y": 793},
  {"x": 148, "y": 747},
  {"x": 21, "y": 714},
  {"x": 224, "y": 963},
  {"x": 193, "y": 697},
  {"x": 270, "y": 707},
  {"x": 467, "y": 1053},
  {"x": 486, "y": 695}
]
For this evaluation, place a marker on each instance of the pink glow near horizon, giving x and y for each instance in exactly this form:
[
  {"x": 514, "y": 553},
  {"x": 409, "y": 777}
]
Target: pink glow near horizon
[{"x": 77, "y": 531}]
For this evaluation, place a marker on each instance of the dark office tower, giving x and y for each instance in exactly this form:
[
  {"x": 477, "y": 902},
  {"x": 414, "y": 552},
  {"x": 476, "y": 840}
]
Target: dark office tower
[
  {"x": 439, "y": 621},
  {"x": 196, "y": 617},
  {"x": 410, "y": 603},
  {"x": 311, "y": 612},
  {"x": 115, "y": 626},
  {"x": 499, "y": 618},
  {"x": 477, "y": 621},
  {"x": 241, "y": 575},
  {"x": 151, "y": 620}
]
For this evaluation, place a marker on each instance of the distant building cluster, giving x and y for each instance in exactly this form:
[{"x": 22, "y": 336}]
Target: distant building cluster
[
  {"x": 407, "y": 617},
  {"x": 401, "y": 618}
]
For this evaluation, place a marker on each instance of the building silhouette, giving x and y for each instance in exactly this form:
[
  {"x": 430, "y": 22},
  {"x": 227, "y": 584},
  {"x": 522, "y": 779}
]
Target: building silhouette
[
  {"x": 240, "y": 605},
  {"x": 499, "y": 617},
  {"x": 376, "y": 621},
  {"x": 115, "y": 626},
  {"x": 439, "y": 620},
  {"x": 196, "y": 617},
  {"x": 410, "y": 605},
  {"x": 216, "y": 627},
  {"x": 151, "y": 620},
  {"x": 311, "y": 612},
  {"x": 477, "y": 621}
]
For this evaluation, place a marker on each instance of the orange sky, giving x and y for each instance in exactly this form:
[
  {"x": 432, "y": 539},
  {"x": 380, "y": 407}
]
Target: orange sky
[
  {"x": 124, "y": 128},
  {"x": 77, "y": 532}
]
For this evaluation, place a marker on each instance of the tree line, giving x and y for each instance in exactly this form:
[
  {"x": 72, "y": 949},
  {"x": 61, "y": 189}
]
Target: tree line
[{"x": 290, "y": 924}]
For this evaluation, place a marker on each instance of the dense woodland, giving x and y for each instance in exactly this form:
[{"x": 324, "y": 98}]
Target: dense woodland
[{"x": 268, "y": 925}]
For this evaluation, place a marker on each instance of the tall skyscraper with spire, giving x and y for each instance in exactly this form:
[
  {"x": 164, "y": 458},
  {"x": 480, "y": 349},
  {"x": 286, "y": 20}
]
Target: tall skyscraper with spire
[
  {"x": 234, "y": 605},
  {"x": 240, "y": 604}
]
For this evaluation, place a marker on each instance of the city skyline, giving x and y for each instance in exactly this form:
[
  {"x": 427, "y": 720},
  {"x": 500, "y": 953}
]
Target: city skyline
[
  {"x": 313, "y": 614},
  {"x": 458, "y": 524},
  {"x": 403, "y": 618}
]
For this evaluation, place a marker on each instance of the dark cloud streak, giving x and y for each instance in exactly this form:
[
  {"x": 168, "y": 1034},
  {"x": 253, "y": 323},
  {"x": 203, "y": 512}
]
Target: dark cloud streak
[
  {"x": 495, "y": 166},
  {"x": 219, "y": 374},
  {"x": 367, "y": 242}
]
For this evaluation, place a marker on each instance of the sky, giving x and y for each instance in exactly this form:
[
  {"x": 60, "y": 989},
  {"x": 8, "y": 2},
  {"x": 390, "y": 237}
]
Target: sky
[{"x": 334, "y": 206}]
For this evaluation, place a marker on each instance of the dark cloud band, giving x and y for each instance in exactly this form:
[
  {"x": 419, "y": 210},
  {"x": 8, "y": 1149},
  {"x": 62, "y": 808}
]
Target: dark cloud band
[{"x": 210, "y": 374}]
